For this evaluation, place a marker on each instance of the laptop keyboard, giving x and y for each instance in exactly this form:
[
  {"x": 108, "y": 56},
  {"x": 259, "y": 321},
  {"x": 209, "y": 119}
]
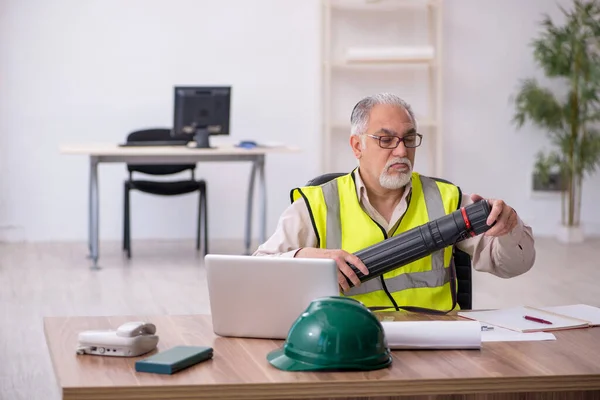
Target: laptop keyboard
[{"x": 155, "y": 143}]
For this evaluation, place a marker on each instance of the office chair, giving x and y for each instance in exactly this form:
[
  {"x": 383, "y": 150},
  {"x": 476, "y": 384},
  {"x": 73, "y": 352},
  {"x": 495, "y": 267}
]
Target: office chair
[
  {"x": 163, "y": 188},
  {"x": 462, "y": 260}
]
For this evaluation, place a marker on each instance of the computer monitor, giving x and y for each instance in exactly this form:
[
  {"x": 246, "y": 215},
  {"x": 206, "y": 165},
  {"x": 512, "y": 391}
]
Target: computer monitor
[{"x": 201, "y": 111}]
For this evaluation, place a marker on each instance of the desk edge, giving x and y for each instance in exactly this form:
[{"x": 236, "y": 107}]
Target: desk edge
[{"x": 350, "y": 388}]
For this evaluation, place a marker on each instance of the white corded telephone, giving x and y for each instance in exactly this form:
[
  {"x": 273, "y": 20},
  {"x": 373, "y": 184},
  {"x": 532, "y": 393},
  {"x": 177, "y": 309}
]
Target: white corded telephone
[{"x": 129, "y": 340}]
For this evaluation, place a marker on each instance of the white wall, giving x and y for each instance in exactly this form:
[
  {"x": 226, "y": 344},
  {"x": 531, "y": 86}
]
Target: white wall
[
  {"x": 92, "y": 70},
  {"x": 487, "y": 52},
  {"x": 78, "y": 71}
]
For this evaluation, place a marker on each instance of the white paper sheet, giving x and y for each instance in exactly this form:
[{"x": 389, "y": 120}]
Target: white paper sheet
[
  {"x": 498, "y": 334},
  {"x": 432, "y": 334},
  {"x": 580, "y": 311},
  {"x": 513, "y": 318}
]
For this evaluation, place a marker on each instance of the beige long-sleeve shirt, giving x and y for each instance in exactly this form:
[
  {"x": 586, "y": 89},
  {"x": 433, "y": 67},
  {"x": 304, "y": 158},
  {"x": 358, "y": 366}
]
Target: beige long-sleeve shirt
[{"x": 505, "y": 256}]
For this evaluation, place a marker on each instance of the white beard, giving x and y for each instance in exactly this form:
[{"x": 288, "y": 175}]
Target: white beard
[{"x": 395, "y": 180}]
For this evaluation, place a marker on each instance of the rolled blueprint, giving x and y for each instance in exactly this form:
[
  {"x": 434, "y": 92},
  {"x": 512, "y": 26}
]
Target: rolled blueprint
[
  {"x": 436, "y": 335},
  {"x": 423, "y": 240}
]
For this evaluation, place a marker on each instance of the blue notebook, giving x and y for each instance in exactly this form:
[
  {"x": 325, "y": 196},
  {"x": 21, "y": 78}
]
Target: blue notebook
[{"x": 175, "y": 359}]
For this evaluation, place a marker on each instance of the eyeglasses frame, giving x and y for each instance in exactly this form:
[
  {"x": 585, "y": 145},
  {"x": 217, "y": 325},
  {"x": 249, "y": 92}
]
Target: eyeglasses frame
[{"x": 399, "y": 140}]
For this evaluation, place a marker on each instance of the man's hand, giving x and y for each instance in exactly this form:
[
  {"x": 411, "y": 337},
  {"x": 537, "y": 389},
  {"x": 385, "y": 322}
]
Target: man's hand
[
  {"x": 504, "y": 215},
  {"x": 341, "y": 257}
]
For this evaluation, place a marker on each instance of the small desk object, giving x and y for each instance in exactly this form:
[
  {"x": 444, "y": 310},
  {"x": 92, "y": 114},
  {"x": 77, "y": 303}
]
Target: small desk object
[
  {"x": 113, "y": 153},
  {"x": 568, "y": 367}
]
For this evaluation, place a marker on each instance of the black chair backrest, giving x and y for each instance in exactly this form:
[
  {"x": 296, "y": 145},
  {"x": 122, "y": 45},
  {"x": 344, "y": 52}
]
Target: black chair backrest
[
  {"x": 462, "y": 260},
  {"x": 462, "y": 263},
  {"x": 321, "y": 179},
  {"x": 156, "y": 134}
]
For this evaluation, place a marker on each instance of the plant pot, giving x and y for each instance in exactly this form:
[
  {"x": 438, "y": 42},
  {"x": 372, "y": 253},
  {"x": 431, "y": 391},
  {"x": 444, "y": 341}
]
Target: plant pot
[{"x": 570, "y": 234}]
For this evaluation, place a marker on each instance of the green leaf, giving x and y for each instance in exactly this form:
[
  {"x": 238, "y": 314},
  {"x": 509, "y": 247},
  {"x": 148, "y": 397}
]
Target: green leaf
[
  {"x": 552, "y": 50},
  {"x": 538, "y": 105},
  {"x": 545, "y": 165},
  {"x": 589, "y": 152}
]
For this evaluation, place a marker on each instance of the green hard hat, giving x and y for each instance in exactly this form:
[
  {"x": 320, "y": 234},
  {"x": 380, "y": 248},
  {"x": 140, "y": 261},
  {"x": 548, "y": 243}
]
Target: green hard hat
[{"x": 333, "y": 334}]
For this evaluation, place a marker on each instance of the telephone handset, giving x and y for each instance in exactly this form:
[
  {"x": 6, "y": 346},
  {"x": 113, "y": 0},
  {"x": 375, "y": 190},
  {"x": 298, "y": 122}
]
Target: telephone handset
[
  {"x": 130, "y": 329},
  {"x": 129, "y": 340}
]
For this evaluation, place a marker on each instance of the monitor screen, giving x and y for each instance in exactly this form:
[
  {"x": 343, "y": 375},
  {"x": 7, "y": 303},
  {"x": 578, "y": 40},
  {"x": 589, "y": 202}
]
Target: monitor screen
[{"x": 200, "y": 111}]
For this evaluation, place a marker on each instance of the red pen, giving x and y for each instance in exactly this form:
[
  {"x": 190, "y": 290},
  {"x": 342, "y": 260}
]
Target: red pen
[{"x": 534, "y": 319}]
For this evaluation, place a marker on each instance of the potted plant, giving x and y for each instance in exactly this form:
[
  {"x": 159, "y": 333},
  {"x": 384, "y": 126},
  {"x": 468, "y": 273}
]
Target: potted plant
[{"x": 569, "y": 52}]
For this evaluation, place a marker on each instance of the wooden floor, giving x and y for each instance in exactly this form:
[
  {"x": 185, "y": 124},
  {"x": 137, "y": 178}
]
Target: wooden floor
[{"x": 168, "y": 278}]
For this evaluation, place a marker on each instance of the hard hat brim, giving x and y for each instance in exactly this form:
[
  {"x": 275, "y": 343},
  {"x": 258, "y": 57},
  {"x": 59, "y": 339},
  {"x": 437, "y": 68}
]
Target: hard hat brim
[{"x": 279, "y": 360}]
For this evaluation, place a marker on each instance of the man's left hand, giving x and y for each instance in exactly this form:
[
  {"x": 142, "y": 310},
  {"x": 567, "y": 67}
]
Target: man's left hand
[{"x": 504, "y": 215}]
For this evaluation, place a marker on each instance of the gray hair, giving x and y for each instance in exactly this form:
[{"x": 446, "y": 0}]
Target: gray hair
[{"x": 360, "y": 114}]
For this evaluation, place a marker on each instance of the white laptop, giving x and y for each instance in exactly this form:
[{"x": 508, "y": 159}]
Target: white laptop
[{"x": 261, "y": 297}]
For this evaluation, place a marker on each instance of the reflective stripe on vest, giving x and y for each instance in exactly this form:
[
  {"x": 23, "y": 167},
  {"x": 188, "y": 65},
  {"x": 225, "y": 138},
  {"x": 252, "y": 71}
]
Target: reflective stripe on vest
[{"x": 436, "y": 277}]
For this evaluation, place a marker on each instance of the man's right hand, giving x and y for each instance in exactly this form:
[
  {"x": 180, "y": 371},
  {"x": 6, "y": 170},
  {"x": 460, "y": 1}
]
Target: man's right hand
[{"x": 341, "y": 257}]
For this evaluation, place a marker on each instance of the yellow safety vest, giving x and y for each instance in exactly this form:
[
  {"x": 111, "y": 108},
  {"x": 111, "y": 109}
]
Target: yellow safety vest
[{"x": 339, "y": 222}]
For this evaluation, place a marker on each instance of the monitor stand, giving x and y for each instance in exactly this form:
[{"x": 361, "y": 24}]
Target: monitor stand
[{"x": 201, "y": 138}]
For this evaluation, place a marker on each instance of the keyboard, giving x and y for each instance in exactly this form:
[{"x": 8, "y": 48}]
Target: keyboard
[{"x": 145, "y": 143}]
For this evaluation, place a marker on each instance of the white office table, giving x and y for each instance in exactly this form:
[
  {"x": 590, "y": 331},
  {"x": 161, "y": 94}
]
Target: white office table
[{"x": 113, "y": 153}]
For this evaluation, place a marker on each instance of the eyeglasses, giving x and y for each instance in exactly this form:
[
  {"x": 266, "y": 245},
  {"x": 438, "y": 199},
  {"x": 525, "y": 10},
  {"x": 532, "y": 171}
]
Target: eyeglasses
[{"x": 391, "y": 142}]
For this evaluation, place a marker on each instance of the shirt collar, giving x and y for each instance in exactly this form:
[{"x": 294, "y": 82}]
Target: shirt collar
[{"x": 361, "y": 189}]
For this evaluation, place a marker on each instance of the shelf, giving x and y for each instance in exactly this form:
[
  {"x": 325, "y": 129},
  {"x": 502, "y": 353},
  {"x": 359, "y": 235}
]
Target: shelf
[
  {"x": 402, "y": 56},
  {"x": 379, "y": 5},
  {"x": 387, "y": 65}
]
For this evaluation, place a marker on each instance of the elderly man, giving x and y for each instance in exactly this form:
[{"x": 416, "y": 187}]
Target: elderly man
[{"x": 385, "y": 197}]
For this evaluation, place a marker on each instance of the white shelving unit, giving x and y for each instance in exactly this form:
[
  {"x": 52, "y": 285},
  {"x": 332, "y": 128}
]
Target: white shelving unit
[{"x": 371, "y": 46}]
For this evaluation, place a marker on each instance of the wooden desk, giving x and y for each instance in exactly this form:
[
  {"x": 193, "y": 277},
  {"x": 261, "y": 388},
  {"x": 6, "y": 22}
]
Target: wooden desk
[
  {"x": 239, "y": 370},
  {"x": 112, "y": 153}
]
